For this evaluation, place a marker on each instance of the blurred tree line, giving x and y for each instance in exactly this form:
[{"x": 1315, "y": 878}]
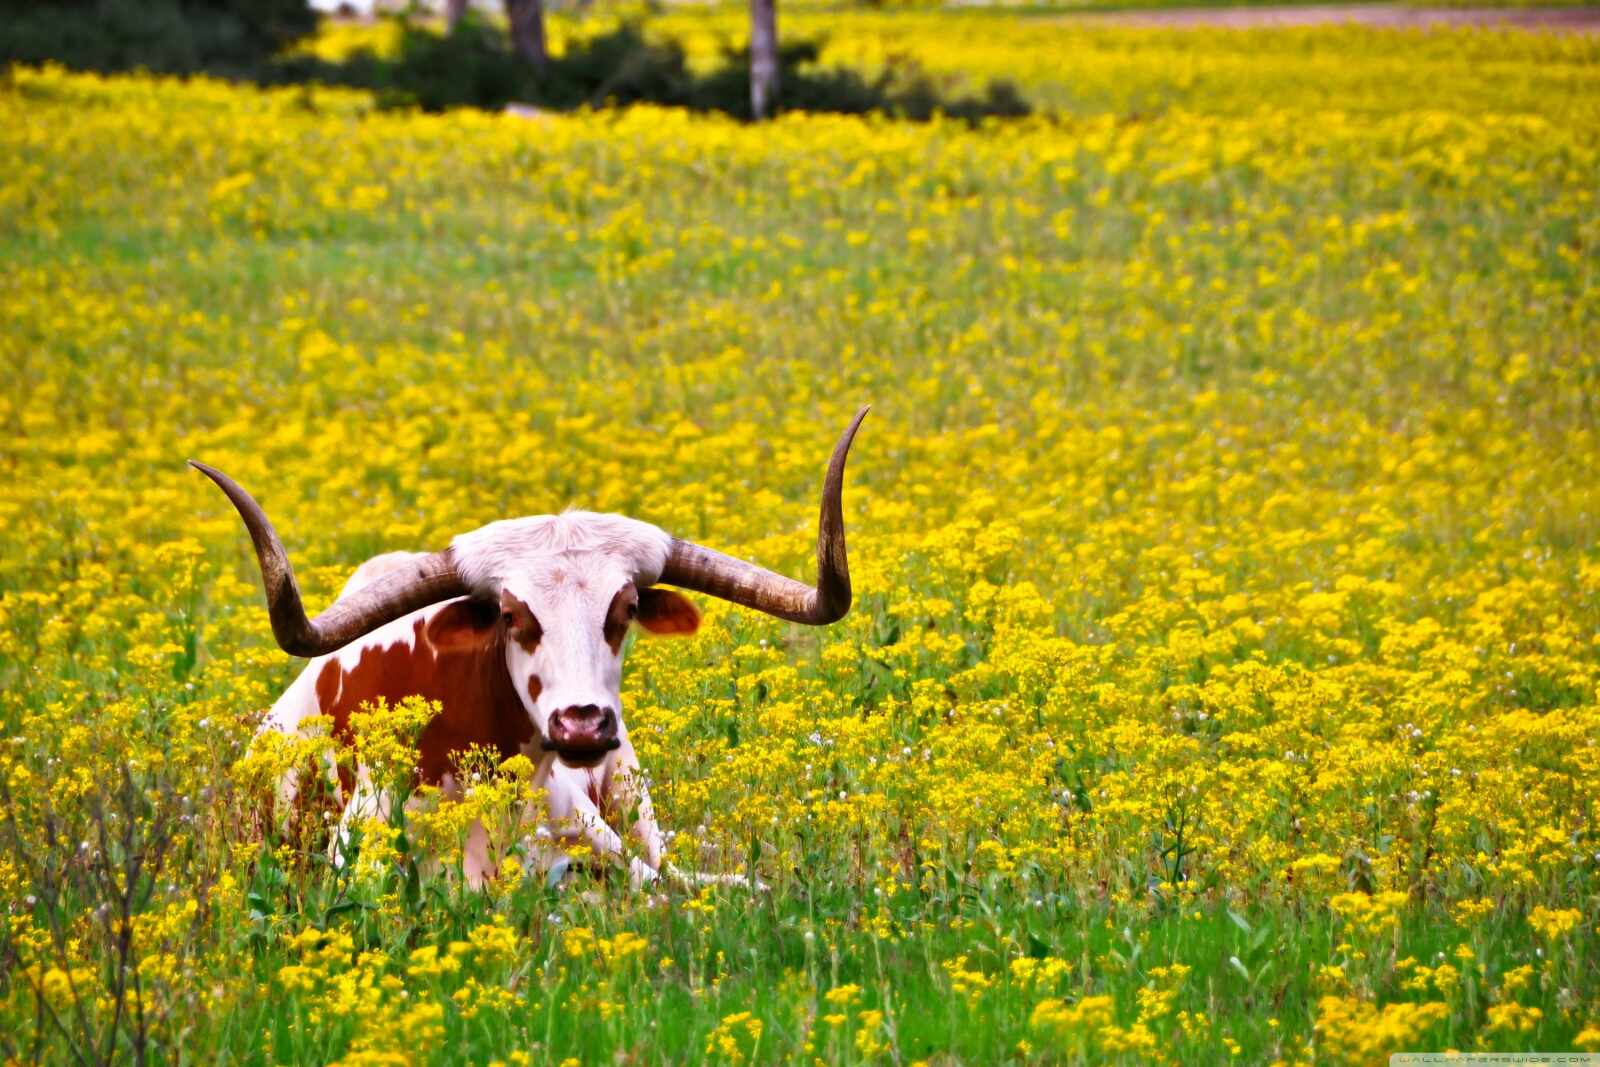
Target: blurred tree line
[{"x": 476, "y": 62}]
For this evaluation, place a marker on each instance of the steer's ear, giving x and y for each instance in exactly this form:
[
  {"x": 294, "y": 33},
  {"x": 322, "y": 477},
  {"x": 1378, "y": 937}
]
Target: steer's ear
[
  {"x": 662, "y": 611},
  {"x": 462, "y": 626}
]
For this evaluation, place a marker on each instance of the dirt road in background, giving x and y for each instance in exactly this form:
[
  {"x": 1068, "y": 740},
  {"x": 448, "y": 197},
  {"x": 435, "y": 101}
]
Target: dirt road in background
[{"x": 1570, "y": 20}]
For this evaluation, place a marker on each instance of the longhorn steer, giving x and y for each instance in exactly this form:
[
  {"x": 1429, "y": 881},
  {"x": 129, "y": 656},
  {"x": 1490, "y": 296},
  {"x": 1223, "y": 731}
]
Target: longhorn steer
[{"x": 516, "y": 629}]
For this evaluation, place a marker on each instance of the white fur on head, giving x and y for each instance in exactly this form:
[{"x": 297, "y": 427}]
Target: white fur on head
[
  {"x": 565, "y": 570},
  {"x": 490, "y": 554}
]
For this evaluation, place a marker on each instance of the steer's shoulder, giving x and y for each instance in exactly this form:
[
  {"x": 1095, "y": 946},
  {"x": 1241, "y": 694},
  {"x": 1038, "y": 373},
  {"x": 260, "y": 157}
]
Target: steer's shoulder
[{"x": 376, "y": 568}]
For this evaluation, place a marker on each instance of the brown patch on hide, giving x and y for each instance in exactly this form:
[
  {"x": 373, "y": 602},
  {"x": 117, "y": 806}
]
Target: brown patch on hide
[
  {"x": 521, "y": 625},
  {"x": 456, "y": 657},
  {"x": 328, "y": 685},
  {"x": 619, "y": 616}
]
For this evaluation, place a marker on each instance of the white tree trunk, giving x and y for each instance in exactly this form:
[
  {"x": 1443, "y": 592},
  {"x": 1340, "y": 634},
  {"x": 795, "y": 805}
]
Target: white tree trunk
[
  {"x": 763, "y": 57},
  {"x": 453, "y": 10}
]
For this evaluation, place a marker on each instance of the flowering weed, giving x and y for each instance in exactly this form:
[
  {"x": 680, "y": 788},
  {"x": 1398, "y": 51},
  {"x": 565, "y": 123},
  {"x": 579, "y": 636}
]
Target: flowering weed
[{"x": 1223, "y": 678}]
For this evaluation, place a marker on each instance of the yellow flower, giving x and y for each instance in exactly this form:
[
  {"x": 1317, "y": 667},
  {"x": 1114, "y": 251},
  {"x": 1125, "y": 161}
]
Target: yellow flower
[
  {"x": 1554, "y": 923},
  {"x": 1221, "y": 544}
]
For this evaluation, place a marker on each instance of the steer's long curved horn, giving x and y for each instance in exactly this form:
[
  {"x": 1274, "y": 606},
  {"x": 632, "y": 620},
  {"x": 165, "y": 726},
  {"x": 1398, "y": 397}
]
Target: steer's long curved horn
[
  {"x": 707, "y": 571},
  {"x": 428, "y": 580}
]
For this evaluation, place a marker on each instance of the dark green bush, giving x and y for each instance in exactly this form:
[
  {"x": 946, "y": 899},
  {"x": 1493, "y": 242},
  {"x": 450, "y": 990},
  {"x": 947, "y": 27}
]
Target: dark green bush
[
  {"x": 228, "y": 37},
  {"x": 473, "y": 66},
  {"x": 901, "y": 89}
]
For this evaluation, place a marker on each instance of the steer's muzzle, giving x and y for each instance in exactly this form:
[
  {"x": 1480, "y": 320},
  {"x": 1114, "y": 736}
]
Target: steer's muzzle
[{"x": 583, "y": 733}]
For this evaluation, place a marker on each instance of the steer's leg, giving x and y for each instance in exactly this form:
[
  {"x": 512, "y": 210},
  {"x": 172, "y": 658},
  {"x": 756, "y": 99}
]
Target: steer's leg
[
  {"x": 629, "y": 795},
  {"x": 477, "y": 862},
  {"x": 287, "y": 716},
  {"x": 571, "y": 794},
  {"x": 367, "y": 801}
]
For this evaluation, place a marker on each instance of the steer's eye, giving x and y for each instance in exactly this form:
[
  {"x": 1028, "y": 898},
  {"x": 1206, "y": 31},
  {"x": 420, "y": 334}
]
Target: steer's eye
[
  {"x": 507, "y": 619},
  {"x": 633, "y": 610}
]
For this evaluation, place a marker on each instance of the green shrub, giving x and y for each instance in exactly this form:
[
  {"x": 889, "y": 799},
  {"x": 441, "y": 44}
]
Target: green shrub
[
  {"x": 473, "y": 66},
  {"x": 228, "y": 37}
]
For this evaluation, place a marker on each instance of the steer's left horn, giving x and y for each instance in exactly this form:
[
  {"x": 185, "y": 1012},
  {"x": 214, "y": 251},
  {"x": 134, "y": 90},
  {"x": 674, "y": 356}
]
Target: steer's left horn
[
  {"x": 706, "y": 570},
  {"x": 427, "y": 580}
]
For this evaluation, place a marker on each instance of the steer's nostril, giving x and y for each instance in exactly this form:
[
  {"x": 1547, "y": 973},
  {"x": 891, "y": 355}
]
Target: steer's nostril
[
  {"x": 584, "y": 731},
  {"x": 587, "y": 716}
]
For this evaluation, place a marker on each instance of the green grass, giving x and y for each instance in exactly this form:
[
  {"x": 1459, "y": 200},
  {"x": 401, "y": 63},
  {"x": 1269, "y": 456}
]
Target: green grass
[{"x": 1223, "y": 536}]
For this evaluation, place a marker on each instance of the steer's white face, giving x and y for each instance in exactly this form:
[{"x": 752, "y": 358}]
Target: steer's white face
[{"x": 571, "y": 586}]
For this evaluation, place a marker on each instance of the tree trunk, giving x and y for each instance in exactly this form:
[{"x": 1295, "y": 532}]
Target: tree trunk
[
  {"x": 763, "y": 57},
  {"x": 527, "y": 30},
  {"x": 453, "y": 10}
]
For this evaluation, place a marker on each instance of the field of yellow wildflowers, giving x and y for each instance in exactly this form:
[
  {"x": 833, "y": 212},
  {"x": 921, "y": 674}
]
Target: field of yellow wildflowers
[{"x": 1224, "y": 680}]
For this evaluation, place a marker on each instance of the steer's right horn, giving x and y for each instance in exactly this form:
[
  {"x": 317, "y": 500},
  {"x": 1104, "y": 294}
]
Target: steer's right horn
[{"x": 426, "y": 580}]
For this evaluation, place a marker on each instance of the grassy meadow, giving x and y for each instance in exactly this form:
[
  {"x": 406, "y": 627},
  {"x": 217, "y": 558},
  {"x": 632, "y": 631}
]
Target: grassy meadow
[{"x": 1224, "y": 677}]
